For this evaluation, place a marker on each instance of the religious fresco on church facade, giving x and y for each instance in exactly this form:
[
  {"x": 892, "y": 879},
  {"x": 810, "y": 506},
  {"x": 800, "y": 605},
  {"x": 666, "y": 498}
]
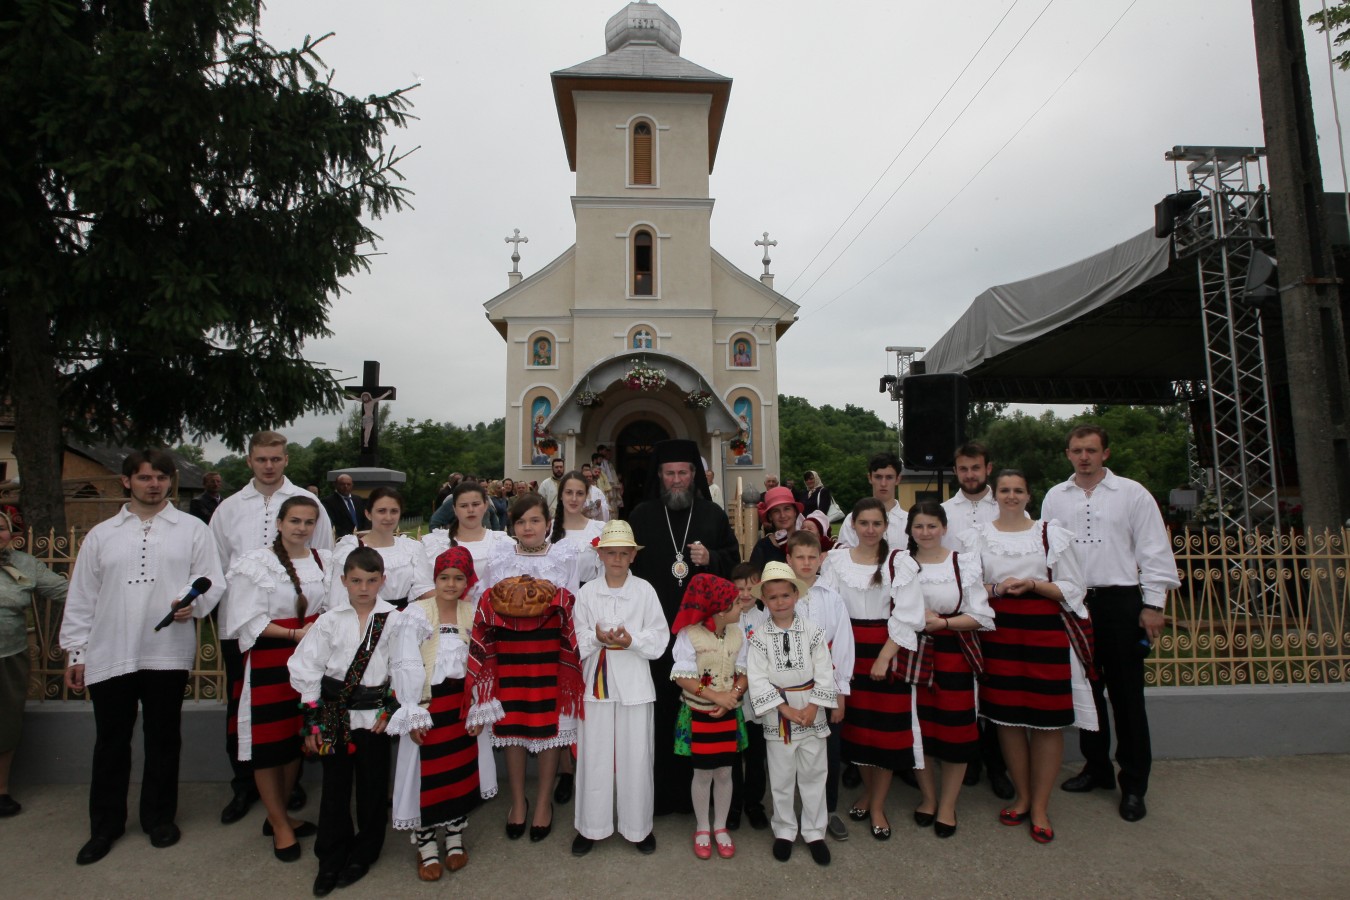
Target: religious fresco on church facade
[
  {"x": 743, "y": 446},
  {"x": 541, "y": 352},
  {"x": 543, "y": 446},
  {"x": 741, "y": 355},
  {"x": 642, "y": 340}
]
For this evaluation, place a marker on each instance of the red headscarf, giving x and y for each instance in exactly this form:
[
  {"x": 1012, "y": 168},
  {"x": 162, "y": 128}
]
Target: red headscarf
[
  {"x": 706, "y": 596},
  {"x": 456, "y": 558}
]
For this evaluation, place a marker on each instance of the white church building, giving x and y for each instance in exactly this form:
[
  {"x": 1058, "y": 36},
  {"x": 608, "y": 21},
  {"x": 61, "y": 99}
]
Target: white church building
[{"x": 641, "y": 331}]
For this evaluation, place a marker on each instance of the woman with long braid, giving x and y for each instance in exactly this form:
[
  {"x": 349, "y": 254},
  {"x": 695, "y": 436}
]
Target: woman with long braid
[{"x": 278, "y": 592}]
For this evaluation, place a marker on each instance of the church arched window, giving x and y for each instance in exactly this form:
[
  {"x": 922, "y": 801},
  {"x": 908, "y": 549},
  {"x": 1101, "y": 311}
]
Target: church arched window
[
  {"x": 642, "y": 171},
  {"x": 644, "y": 264}
]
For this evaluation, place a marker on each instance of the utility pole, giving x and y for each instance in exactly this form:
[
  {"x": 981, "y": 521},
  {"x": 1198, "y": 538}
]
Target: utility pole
[{"x": 1314, "y": 335}]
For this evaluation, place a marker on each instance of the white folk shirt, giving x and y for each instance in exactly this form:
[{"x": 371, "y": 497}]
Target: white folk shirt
[
  {"x": 548, "y": 489},
  {"x": 636, "y": 607},
  {"x": 329, "y": 647},
  {"x": 1022, "y": 554},
  {"x": 261, "y": 591},
  {"x": 896, "y": 539},
  {"x": 823, "y": 607},
  {"x": 963, "y": 514},
  {"x": 942, "y": 597},
  {"x": 407, "y": 570},
  {"x": 247, "y": 520},
  {"x": 897, "y": 598},
  {"x": 127, "y": 576},
  {"x": 788, "y": 658},
  {"x": 588, "y": 560},
  {"x": 1118, "y": 534}
]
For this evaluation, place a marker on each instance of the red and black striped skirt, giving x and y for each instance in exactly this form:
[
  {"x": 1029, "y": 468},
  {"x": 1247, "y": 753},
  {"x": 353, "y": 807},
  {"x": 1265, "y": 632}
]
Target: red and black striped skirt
[
  {"x": 274, "y": 706},
  {"x": 878, "y": 723},
  {"x": 527, "y": 684},
  {"x": 710, "y": 743},
  {"x": 947, "y": 706},
  {"x": 1027, "y": 678},
  {"x": 449, "y": 758}
]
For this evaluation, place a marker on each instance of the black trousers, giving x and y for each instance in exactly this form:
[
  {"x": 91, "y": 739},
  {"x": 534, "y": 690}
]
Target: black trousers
[
  {"x": 160, "y": 695},
  {"x": 1119, "y": 658},
  {"x": 832, "y": 767},
  {"x": 241, "y": 782},
  {"x": 747, "y": 790},
  {"x": 672, "y": 774},
  {"x": 364, "y": 774}
]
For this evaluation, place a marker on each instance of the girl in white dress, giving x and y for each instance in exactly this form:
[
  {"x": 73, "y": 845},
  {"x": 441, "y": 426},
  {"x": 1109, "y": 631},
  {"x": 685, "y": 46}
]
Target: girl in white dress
[
  {"x": 571, "y": 524},
  {"x": 470, "y": 501},
  {"x": 407, "y": 570}
]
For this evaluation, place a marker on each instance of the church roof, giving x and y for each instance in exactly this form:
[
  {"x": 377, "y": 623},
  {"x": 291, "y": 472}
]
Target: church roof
[{"x": 642, "y": 44}]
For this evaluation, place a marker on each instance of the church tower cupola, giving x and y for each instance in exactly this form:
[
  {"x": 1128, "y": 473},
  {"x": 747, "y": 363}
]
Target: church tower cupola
[{"x": 644, "y": 22}]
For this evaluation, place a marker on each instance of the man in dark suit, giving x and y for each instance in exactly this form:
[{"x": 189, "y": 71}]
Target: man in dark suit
[
  {"x": 346, "y": 510},
  {"x": 204, "y": 506}
]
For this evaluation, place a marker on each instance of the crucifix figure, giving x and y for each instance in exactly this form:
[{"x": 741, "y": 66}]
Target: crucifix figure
[
  {"x": 766, "y": 244},
  {"x": 516, "y": 240},
  {"x": 369, "y": 393}
]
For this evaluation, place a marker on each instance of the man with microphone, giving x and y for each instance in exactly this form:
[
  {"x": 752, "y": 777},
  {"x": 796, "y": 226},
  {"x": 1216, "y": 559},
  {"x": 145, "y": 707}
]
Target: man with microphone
[{"x": 130, "y": 572}]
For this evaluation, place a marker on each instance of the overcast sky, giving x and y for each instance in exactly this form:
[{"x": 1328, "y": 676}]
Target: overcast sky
[{"x": 825, "y": 96}]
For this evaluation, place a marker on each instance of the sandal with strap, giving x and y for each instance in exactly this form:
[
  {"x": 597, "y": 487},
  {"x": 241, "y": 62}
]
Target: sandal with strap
[
  {"x": 429, "y": 869},
  {"x": 725, "y": 850},
  {"x": 703, "y": 851}
]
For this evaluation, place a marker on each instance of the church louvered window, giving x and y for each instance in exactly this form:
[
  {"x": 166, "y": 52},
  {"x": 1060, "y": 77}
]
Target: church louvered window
[
  {"x": 642, "y": 154},
  {"x": 644, "y": 264}
]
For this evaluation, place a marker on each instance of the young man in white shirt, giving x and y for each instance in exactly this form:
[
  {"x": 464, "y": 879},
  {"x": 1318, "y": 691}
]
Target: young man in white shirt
[
  {"x": 247, "y": 521},
  {"x": 548, "y": 488},
  {"x": 1128, "y": 567},
  {"x": 883, "y": 472},
  {"x": 129, "y": 573}
]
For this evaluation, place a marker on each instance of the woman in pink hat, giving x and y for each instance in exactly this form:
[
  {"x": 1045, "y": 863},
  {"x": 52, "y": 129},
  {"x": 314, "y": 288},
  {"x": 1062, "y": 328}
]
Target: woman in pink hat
[{"x": 782, "y": 513}]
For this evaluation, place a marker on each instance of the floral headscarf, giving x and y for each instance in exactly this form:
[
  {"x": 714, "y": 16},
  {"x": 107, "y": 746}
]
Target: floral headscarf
[
  {"x": 456, "y": 558},
  {"x": 706, "y": 596}
]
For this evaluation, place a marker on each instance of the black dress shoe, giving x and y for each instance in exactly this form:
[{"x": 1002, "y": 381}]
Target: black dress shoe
[
  {"x": 165, "y": 835},
  {"x": 515, "y": 829},
  {"x": 850, "y": 777},
  {"x": 1001, "y": 785},
  {"x": 352, "y": 873},
  {"x": 758, "y": 819},
  {"x": 734, "y": 820},
  {"x": 1085, "y": 781},
  {"x": 1132, "y": 808},
  {"x": 539, "y": 832},
  {"x": 782, "y": 849},
  {"x": 581, "y": 845},
  {"x": 324, "y": 883},
  {"x": 923, "y": 819},
  {"x": 287, "y": 854},
  {"x": 9, "y": 806},
  {"x": 93, "y": 850},
  {"x": 304, "y": 829},
  {"x": 943, "y": 830},
  {"x": 298, "y": 798},
  {"x": 972, "y": 776},
  {"x": 236, "y": 809},
  {"x": 562, "y": 794},
  {"x": 819, "y": 852},
  {"x": 647, "y": 845}
]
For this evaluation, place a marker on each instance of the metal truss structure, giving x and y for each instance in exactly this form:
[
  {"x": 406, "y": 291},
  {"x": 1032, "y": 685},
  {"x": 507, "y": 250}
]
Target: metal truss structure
[{"x": 1227, "y": 225}]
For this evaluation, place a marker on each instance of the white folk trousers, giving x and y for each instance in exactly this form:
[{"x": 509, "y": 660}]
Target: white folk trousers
[
  {"x": 614, "y": 766},
  {"x": 798, "y": 767}
]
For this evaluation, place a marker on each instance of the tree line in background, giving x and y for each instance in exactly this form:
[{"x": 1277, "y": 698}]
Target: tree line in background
[{"x": 1148, "y": 444}]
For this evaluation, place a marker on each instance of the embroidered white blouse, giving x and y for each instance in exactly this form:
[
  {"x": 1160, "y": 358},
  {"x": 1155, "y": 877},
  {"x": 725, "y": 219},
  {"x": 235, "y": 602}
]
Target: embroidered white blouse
[
  {"x": 260, "y": 591},
  {"x": 407, "y": 570},
  {"x": 897, "y": 598},
  {"x": 940, "y": 593},
  {"x": 786, "y": 658},
  {"x": 1022, "y": 554}
]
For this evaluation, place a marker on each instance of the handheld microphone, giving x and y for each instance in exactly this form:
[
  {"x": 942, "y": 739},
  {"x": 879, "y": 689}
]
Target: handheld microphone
[{"x": 199, "y": 587}]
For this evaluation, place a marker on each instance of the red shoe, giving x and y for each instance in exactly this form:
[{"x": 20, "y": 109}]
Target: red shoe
[
  {"x": 702, "y": 851},
  {"x": 1012, "y": 816},
  {"x": 727, "y": 850},
  {"x": 1042, "y": 835}
]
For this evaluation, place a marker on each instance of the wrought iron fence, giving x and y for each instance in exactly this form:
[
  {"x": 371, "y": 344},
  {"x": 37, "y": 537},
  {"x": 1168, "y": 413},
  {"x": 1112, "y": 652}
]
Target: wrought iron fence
[{"x": 1253, "y": 608}]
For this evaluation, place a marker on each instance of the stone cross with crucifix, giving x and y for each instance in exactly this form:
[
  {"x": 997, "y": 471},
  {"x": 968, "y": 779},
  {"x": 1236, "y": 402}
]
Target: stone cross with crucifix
[
  {"x": 516, "y": 240},
  {"x": 369, "y": 393},
  {"x": 766, "y": 244}
]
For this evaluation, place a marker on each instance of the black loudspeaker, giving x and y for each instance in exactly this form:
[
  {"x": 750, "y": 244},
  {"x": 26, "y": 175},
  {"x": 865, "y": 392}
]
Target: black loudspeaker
[{"x": 935, "y": 419}]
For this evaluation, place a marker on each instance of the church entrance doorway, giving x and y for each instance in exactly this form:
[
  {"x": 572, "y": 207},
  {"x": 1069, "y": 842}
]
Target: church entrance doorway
[{"x": 633, "y": 458}]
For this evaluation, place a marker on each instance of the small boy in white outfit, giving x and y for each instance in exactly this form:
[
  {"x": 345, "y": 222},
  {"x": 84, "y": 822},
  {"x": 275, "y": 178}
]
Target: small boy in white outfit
[
  {"x": 791, "y": 686},
  {"x": 620, "y": 629}
]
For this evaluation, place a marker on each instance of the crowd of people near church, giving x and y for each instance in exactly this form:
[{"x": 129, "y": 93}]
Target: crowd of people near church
[{"x": 635, "y": 656}]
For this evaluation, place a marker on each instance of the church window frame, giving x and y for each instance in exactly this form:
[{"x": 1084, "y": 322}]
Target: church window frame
[
  {"x": 751, "y": 344},
  {"x": 644, "y": 264},
  {"x": 642, "y": 161}
]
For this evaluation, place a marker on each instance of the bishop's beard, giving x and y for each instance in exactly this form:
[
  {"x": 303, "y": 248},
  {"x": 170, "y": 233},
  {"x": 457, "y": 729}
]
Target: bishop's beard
[{"x": 677, "y": 501}]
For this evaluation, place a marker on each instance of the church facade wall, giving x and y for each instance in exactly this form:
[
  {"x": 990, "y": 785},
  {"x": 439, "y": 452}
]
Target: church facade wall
[{"x": 603, "y": 140}]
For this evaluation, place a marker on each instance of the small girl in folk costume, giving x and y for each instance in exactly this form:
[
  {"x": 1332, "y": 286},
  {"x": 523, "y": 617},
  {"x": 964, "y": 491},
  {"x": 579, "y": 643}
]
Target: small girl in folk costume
[
  {"x": 524, "y": 673},
  {"x": 275, "y": 596},
  {"x": 436, "y": 783},
  {"x": 709, "y": 665},
  {"x": 791, "y": 687},
  {"x": 407, "y": 571},
  {"x": 955, "y": 606},
  {"x": 620, "y": 630}
]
